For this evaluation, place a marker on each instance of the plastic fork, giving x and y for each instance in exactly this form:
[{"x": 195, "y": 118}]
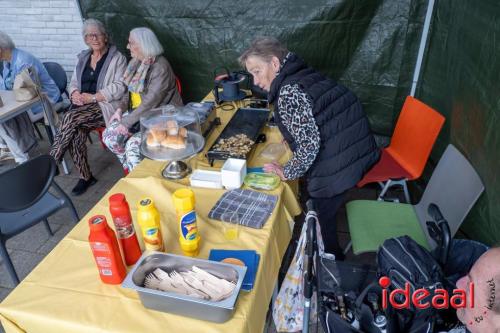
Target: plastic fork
[
  {"x": 178, "y": 280},
  {"x": 195, "y": 283},
  {"x": 204, "y": 275}
]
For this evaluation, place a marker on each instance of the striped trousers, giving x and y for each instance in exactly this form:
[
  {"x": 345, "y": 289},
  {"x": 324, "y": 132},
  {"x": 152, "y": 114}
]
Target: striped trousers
[{"x": 75, "y": 127}]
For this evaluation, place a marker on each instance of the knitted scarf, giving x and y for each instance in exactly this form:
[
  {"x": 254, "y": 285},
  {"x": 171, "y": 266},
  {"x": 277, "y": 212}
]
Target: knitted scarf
[{"x": 136, "y": 72}]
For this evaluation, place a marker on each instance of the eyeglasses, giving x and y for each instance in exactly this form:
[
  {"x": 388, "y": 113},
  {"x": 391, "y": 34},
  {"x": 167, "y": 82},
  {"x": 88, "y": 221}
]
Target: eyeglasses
[{"x": 93, "y": 36}]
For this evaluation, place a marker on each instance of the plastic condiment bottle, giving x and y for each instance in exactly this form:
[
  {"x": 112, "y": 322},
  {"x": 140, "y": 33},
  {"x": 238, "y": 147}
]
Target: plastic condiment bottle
[
  {"x": 189, "y": 237},
  {"x": 120, "y": 211},
  {"x": 106, "y": 252},
  {"x": 149, "y": 220}
]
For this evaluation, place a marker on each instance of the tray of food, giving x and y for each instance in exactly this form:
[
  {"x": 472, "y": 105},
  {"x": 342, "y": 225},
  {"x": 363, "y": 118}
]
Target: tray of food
[
  {"x": 197, "y": 288},
  {"x": 168, "y": 137},
  {"x": 240, "y": 135}
]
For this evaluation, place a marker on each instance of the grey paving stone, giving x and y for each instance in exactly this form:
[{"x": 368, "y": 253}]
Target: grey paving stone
[
  {"x": 47, "y": 247},
  {"x": 29, "y": 240},
  {"x": 60, "y": 231},
  {"x": 23, "y": 262},
  {"x": 4, "y": 292},
  {"x": 108, "y": 172}
]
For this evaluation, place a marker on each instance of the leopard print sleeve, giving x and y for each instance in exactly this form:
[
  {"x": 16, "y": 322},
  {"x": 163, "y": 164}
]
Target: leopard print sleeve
[{"x": 297, "y": 117}]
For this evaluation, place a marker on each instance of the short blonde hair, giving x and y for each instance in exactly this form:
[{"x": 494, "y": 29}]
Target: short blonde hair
[
  {"x": 147, "y": 40},
  {"x": 265, "y": 48}
]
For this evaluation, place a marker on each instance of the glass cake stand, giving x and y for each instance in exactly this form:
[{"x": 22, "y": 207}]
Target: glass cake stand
[{"x": 171, "y": 134}]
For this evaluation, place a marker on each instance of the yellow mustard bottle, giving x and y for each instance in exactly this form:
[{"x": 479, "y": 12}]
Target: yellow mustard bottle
[
  {"x": 149, "y": 221},
  {"x": 189, "y": 237}
]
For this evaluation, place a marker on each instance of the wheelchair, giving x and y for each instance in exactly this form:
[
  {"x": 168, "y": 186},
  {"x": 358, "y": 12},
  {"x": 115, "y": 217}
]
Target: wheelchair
[{"x": 348, "y": 295}]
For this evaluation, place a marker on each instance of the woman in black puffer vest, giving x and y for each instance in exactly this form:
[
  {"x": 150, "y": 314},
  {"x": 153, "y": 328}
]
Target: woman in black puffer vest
[{"x": 324, "y": 125}]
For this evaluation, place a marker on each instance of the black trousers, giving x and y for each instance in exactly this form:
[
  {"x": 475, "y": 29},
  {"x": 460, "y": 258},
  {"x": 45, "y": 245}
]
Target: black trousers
[{"x": 327, "y": 208}]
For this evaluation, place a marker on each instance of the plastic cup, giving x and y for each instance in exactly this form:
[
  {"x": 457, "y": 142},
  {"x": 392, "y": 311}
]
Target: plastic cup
[{"x": 230, "y": 225}]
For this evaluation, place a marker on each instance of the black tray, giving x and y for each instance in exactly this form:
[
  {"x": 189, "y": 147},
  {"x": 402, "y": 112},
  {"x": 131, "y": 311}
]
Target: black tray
[{"x": 248, "y": 121}]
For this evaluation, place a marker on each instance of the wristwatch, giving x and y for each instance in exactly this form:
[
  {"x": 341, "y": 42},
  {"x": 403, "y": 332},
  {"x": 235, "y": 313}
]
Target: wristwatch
[{"x": 94, "y": 99}]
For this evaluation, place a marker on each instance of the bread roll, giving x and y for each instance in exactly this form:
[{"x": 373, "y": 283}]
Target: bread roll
[
  {"x": 151, "y": 142},
  {"x": 234, "y": 261},
  {"x": 174, "y": 142},
  {"x": 158, "y": 134},
  {"x": 183, "y": 132},
  {"x": 172, "y": 127},
  {"x": 172, "y": 132},
  {"x": 171, "y": 124}
]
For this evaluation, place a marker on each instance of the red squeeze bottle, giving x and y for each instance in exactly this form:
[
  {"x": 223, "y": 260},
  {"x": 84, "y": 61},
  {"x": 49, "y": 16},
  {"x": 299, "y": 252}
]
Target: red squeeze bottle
[
  {"x": 120, "y": 211},
  {"x": 106, "y": 251}
]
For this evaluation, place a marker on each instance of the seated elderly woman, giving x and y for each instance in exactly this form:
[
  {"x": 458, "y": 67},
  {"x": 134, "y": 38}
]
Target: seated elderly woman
[
  {"x": 151, "y": 83},
  {"x": 16, "y": 135},
  {"x": 95, "y": 90}
]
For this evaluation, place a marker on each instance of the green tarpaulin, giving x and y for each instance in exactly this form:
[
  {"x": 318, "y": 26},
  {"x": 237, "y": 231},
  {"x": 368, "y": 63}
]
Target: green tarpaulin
[
  {"x": 461, "y": 80},
  {"x": 368, "y": 45}
]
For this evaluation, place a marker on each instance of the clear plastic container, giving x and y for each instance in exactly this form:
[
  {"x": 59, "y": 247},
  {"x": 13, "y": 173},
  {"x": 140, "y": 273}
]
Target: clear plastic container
[
  {"x": 273, "y": 151},
  {"x": 230, "y": 225},
  {"x": 171, "y": 134},
  {"x": 262, "y": 181}
]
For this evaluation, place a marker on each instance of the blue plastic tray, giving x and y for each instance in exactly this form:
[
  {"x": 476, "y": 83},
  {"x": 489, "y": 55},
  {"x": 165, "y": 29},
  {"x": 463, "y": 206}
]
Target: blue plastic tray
[{"x": 249, "y": 257}]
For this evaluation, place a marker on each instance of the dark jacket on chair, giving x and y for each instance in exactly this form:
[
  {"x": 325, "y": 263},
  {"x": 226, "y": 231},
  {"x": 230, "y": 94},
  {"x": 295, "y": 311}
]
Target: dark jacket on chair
[{"x": 347, "y": 148}]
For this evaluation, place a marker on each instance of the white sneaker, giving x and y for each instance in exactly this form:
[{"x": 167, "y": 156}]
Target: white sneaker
[{"x": 5, "y": 155}]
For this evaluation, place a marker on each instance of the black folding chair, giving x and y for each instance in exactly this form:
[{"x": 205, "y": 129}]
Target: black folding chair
[{"x": 25, "y": 200}]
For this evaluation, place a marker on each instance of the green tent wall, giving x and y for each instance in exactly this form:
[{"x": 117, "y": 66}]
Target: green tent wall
[
  {"x": 368, "y": 45},
  {"x": 461, "y": 79}
]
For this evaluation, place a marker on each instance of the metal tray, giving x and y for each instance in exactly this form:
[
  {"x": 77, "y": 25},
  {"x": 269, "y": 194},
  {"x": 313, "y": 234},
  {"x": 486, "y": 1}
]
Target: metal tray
[
  {"x": 248, "y": 121},
  {"x": 181, "y": 304}
]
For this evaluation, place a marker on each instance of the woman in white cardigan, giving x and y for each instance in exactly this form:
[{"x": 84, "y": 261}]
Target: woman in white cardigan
[{"x": 95, "y": 90}]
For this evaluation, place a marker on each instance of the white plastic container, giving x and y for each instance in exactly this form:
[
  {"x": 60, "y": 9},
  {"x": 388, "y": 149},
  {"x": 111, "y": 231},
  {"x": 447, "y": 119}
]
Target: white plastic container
[
  {"x": 206, "y": 178},
  {"x": 233, "y": 173}
]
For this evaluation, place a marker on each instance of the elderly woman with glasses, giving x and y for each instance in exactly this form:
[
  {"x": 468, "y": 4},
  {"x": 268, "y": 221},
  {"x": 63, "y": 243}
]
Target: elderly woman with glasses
[
  {"x": 95, "y": 90},
  {"x": 151, "y": 83}
]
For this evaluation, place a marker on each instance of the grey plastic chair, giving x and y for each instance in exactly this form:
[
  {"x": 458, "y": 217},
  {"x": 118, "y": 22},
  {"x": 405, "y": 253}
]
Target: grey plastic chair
[
  {"x": 454, "y": 187},
  {"x": 57, "y": 73},
  {"x": 25, "y": 200}
]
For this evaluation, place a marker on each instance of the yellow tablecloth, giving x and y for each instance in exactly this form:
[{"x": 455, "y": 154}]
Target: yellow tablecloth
[{"x": 64, "y": 293}]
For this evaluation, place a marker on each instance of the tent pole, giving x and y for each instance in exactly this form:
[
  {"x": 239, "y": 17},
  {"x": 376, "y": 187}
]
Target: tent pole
[
  {"x": 80, "y": 9},
  {"x": 421, "y": 49}
]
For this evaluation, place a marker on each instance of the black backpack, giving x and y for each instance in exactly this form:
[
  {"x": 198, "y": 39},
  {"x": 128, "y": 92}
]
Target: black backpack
[{"x": 402, "y": 260}]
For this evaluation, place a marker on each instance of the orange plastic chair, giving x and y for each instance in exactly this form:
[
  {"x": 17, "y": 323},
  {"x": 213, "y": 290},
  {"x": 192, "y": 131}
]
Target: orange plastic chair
[{"x": 416, "y": 131}]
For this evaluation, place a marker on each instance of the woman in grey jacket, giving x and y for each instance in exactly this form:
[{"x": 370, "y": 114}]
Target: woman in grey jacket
[
  {"x": 151, "y": 83},
  {"x": 95, "y": 90}
]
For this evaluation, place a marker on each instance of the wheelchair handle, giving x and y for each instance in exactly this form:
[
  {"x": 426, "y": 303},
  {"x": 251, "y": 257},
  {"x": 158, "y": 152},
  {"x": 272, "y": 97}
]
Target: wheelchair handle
[
  {"x": 435, "y": 213},
  {"x": 445, "y": 233}
]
